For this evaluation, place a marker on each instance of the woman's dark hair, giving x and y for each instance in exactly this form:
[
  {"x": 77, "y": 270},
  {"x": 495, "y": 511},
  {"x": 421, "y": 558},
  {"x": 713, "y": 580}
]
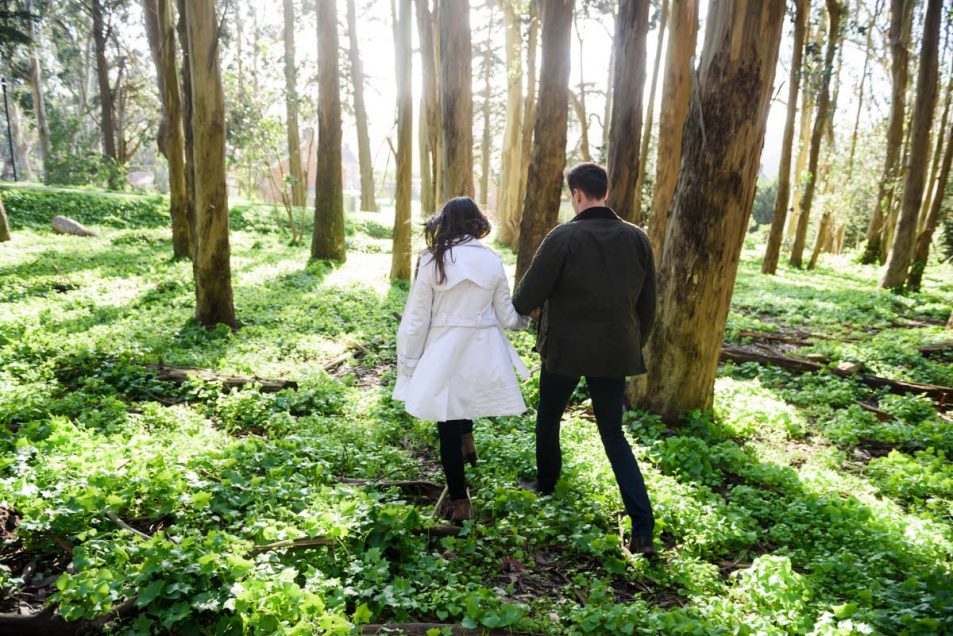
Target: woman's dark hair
[{"x": 459, "y": 219}]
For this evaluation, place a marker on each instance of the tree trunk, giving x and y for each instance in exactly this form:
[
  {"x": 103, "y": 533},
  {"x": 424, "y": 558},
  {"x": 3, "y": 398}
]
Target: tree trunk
[
  {"x": 506, "y": 202},
  {"x": 107, "y": 125},
  {"x": 213, "y": 278},
  {"x": 161, "y": 35},
  {"x": 625, "y": 126},
  {"x": 486, "y": 143},
  {"x": 545, "y": 180},
  {"x": 649, "y": 117},
  {"x": 327, "y": 240},
  {"x": 457, "y": 98},
  {"x": 34, "y": 77},
  {"x": 901, "y": 249},
  {"x": 817, "y": 136},
  {"x": 299, "y": 183},
  {"x": 724, "y": 135},
  {"x": 529, "y": 117},
  {"x": 400, "y": 261},
  {"x": 579, "y": 108},
  {"x": 4, "y": 223},
  {"x": 860, "y": 90},
  {"x": 368, "y": 202},
  {"x": 20, "y": 150},
  {"x": 901, "y": 12},
  {"x": 823, "y": 236},
  {"x": 806, "y": 124},
  {"x": 186, "y": 117},
  {"x": 773, "y": 250},
  {"x": 429, "y": 111},
  {"x": 939, "y": 149},
  {"x": 579, "y": 99},
  {"x": 676, "y": 89}
]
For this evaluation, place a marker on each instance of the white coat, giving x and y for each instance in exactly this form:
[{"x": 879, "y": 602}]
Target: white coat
[{"x": 454, "y": 361}]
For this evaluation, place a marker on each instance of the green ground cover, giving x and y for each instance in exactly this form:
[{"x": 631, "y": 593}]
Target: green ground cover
[{"x": 788, "y": 509}]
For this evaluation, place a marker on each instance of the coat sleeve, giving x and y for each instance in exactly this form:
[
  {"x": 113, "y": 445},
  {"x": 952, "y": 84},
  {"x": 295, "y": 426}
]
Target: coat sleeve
[
  {"x": 540, "y": 279},
  {"x": 415, "y": 323},
  {"x": 646, "y": 303},
  {"x": 503, "y": 306}
]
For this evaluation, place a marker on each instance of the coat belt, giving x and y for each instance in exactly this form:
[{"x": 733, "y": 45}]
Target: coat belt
[{"x": 480, "y": 322}]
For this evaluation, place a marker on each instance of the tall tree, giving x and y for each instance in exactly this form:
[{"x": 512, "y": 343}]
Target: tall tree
[
  {"x": 213, "y": 278},
  {"x": 868, "y": 49},
  {"x": 160, "y": 32},
  {"x": 486, "y": 143},
  {"x": 545, "y": 180},
  {"x": 400, "y": 260},
  {"x": 901, "y": 249},
  {"x": 429, "y": 118},
  {"x": 676, "y": 89},
  {"x": 107, "y": 112},
  {"x": 901, "y": 12},
  {"x": 4, "y": 223},
  {"x": 35, "y": 79},
  {"x": 578, "y": 98},
  {"x": 457, "y": 98},
  {"x": 189, "y": 141},
  {"x": 529, "y": 116},
  {"x": 921, "y": 249},
  {"x": 724, "y": 135},
  {"x": 817, "y": 136},
  {"x": 649, "y": 115},
  {"x": 625, "y": 126},
  {"x": 773, "y": 249},
  {"x": 299, "y": 183},
  {"x": 327, "y": 239},
  {"x": 507, "y": 203},
  {"x": 366, "y": 165},
  {"x": 938, "y": 150}
]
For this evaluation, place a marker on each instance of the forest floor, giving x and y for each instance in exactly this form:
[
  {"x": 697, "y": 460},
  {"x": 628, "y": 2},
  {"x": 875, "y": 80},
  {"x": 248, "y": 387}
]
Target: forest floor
[{"x": 804, "y": 503}]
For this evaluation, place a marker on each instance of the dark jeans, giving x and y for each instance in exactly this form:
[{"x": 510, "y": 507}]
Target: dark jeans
[
  {"x": 451, "y": 457},
  {"x": 607, "y": 402}
]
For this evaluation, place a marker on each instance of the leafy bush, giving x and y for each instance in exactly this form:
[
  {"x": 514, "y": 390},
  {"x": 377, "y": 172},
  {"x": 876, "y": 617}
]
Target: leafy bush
[
  {"x": 91, "y": 169},
  {"x": 35, "y": 207}
]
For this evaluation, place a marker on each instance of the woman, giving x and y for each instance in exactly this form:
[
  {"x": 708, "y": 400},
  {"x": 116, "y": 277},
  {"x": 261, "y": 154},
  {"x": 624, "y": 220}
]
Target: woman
[{"x": 454, "y": 363}]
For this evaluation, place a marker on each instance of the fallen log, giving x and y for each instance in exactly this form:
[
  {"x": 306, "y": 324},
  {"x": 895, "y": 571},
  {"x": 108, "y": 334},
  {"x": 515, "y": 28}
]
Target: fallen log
[
  {"x": 941, "y": 394},
  {"x": 936, "y": 348},
  {"x": 762, "y": 335},
  {"x": 66, "y": 225},
  {"x": 48, "y": 623},
  {"x": 178, "y": 375}
]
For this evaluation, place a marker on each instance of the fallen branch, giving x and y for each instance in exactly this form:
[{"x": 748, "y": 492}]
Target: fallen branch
[
  {"x": 48, "y": 623},
  {"x": 125, "y": 526},
  {"x": 178, "y": 375},
  {"x": 421, "y": 629},
  {"x": 880, "y": 415},
  {"x": 761, "y": 335},
  {"x": 941, "y": 394},
  {"x": 936, "y": 348},
  {"x": 353, "y": 349},
  {"x": 442, "y": 530},
  {"x": 291, "y": 544},
  {"x": 421, "y": 487}
]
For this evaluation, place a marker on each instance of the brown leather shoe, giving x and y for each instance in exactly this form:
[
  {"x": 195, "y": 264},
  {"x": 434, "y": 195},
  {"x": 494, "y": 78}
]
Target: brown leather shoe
[
  {"x": 642, "y": 545},
  {"x": 468, "y": 447}
]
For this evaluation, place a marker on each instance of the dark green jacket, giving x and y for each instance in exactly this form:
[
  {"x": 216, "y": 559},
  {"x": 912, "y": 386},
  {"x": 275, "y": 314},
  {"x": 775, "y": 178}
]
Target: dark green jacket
[{"x": 594, "y": 278}]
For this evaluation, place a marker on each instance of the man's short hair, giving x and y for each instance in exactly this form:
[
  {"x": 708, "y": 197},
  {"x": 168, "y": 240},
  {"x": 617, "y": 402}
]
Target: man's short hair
[{"x": 590, "y": 178}]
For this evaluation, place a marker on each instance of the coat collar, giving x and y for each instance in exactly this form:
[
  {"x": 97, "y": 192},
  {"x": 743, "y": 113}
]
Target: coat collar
[{"x": 591, "y": 214}]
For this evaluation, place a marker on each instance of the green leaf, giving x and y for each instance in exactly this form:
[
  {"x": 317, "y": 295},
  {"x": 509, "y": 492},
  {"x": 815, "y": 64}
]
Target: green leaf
[{"x": 149, "y": 593}]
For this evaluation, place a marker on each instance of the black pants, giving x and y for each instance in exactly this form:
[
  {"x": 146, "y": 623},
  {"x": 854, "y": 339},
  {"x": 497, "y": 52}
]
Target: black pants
[
  {"x": 451, "y": 456},
  {"x": 607, "y": 402}
]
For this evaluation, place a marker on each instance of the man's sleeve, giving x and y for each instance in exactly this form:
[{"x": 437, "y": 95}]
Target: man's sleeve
[
  {"x": 540, "y": 279},
  {"x": 646, "y": 303}
]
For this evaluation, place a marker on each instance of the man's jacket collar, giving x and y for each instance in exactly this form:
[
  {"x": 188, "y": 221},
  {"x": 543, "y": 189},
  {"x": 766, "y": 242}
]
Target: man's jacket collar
[{"x": 590, "y": 214}]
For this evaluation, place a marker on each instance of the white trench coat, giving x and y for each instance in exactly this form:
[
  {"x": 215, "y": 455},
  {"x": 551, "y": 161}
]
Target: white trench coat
[{"x": 453, "y": 360}]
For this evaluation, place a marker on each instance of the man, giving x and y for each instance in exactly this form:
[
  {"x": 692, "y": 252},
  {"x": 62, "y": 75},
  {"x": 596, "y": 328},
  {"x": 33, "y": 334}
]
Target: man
[{"x": 594, "y": 278}]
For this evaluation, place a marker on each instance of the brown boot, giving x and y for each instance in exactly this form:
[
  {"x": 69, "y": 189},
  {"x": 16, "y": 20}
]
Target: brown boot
[
  {"x": 468, "y": 448},
  {"x": 461, "y": 509}
]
